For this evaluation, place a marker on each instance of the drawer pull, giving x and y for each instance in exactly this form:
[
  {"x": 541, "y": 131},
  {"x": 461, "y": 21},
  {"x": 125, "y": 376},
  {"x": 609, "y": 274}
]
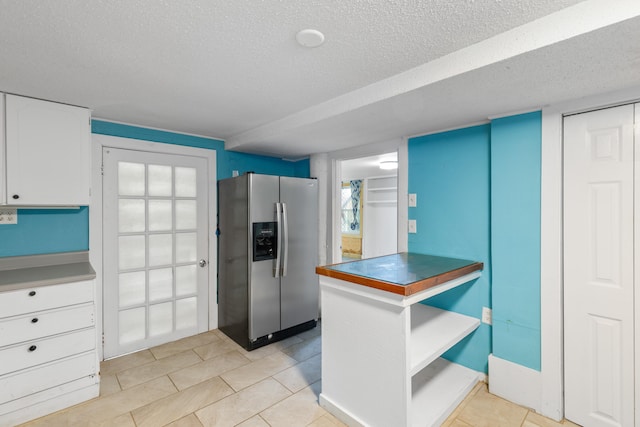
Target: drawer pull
[
  {"x": 32, "y": 348},
  {"x": 34, "y": 320},
  {"x": 32, "y": 293}
]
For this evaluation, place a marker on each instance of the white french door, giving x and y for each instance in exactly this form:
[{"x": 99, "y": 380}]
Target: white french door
[
  {"x": 600, "y": 271},
  {"x": 155, "y": 234}
]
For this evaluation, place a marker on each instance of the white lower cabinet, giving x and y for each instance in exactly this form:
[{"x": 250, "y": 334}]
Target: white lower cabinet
[
  {"x": 47, "y": 375},
  {"x": 381, "y": 362},
  {"x": 46, "y": 323},
  {"x": 48, "y": 357}
]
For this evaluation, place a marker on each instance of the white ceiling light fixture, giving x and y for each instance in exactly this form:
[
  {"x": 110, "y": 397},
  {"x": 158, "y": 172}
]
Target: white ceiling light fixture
[
  {"x": 388, "y": 164},
  {"x": 310, "y": 38}
]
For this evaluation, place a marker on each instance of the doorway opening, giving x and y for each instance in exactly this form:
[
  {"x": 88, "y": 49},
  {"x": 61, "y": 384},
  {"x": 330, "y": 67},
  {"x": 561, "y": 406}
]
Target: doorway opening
[{"x": 368, "y": 207}]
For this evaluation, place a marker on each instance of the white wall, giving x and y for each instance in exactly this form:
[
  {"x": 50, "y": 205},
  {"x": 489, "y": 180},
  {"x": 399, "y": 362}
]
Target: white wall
[{"x": 379, "y": 237}]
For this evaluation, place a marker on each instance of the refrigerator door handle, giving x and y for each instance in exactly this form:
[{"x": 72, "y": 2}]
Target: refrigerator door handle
[
  {"x": 285, "y": 239},
  {"x": 276, "y": 264}
]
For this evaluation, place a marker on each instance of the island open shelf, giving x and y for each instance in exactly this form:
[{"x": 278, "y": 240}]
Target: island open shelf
[
  {"x": 434, "y": 331},
  {"x": 381, "y": 348}
]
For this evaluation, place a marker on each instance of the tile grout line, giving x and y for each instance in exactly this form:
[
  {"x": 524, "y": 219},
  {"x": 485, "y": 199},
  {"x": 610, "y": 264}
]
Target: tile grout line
[
  {"x": 279, "y": 401},
  {"x": 265, "y": 421}
]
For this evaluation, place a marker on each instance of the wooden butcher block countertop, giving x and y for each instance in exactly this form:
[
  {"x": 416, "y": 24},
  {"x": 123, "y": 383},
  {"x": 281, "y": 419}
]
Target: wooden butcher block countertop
[{"x": 404, "y": 273}]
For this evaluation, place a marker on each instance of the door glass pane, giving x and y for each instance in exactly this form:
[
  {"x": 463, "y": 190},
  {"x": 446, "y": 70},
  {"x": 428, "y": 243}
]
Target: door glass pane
[
  {"x": 130, "y": 215},
  {"x": 131, "y": 252},
  {"x": 160, "y": 319},
  {"x": 160, "y": 284},
  {"x": 186, "y": 280},
  {"x": 186, "y": 247},
  {"x": 160, "y": 249},
  {"x": 185, "y": 214},
  {"x": 131, "y": 325},
  {"x": 159, "y": 180},
  {"x": 130, "y": 179},
  {"x": 185, "y": 182},
  {"x": 186, "y": 313},
  {"x": 159, "y": 215},
  {"x": 131, "y": 287}
]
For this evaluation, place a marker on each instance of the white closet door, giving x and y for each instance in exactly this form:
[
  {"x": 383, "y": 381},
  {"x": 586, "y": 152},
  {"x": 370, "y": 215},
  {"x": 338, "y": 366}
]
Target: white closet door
[
  {"x": 599, "y": 267},
  {"x": 155, "y": 236},
  {"x": 636, "y": 275}
]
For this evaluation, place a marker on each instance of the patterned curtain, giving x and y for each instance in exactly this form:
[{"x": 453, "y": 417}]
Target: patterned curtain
[{"x": 355, "y": 203}]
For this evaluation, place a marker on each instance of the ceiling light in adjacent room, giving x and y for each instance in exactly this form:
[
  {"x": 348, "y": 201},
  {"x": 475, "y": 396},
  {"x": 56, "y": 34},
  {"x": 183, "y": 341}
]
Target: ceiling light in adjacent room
[
  {"x": 310, "y": 38},
  {"x": 388, "y": 164}
]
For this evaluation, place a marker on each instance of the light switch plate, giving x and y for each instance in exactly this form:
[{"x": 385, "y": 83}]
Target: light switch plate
[
  {"x": 412, "y": 200},
  {"x": 8, "y": 216},
  {"x": 413, "y": 228}
]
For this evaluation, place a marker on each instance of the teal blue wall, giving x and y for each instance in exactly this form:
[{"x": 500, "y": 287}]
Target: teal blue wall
[
  {"x": 42, "y": 231},
  {"x": 479, "y": 198},
  {"x": 226, "y": 161},
  {"x": 450, "y": 173},
  {"x": 515, "y": 241}
]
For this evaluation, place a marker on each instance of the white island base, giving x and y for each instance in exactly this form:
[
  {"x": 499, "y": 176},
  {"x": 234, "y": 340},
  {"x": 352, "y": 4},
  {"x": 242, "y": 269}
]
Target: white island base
[{"x": 381, "y": 362}]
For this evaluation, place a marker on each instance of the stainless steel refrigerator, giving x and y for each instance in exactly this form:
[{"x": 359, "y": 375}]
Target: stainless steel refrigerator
[{"x": 268, "y": 249}]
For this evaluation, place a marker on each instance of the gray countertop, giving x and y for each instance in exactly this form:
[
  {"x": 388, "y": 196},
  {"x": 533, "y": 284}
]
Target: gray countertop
[{"x": 42, "y": 270}]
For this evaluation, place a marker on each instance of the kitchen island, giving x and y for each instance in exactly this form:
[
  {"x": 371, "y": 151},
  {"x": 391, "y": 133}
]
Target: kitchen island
[{"x": 381, "y": 348}]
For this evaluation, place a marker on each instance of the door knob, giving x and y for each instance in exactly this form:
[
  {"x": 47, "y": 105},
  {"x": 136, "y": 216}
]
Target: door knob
[{"x": 202, "y": 263}]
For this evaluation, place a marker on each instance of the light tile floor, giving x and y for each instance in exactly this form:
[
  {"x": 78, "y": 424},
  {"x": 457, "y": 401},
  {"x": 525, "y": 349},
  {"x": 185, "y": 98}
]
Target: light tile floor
[{"x": 208, "y": 380}]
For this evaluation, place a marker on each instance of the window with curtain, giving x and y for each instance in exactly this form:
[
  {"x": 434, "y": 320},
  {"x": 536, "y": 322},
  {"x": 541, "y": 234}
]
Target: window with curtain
[{"x": 351, "y": 204}]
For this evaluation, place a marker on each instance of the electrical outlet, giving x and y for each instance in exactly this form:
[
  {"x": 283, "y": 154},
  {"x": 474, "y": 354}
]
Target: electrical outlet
[
  {"x": 8, "y": 216},
  {"x": 412, "y": 200},
  {"x": 412, "y": 226},
  {"x": 486, "y": 315}
]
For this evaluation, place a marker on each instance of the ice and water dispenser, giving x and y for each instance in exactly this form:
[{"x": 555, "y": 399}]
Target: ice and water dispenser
[{"x": 265, "y": 240}]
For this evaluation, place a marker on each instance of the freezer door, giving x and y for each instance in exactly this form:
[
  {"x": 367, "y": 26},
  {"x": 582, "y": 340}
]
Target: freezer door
[
  {"x": 264, "y": 288},
  {"x": 299, "y": 284},
  {"x": 233, "y": 275}
]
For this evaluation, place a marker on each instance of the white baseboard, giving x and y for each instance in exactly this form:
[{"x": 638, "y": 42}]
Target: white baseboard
[
  {"x": 516, "y": 383},
  {"x": 339, "y": 412}
]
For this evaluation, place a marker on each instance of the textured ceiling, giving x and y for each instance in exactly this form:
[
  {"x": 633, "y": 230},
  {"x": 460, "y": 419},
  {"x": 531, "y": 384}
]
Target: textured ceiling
[{"x": 389, "y": 68}]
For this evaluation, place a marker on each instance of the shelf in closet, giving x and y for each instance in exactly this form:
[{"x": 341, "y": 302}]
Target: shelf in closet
[
  {"x": 382, "y": 189},
  {"x": 381, "y": 202}
]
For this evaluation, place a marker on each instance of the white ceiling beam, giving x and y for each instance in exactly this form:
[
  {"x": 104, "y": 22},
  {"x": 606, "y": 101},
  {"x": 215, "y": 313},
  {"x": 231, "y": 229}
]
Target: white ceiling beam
[{"x": 565, "y": 24}]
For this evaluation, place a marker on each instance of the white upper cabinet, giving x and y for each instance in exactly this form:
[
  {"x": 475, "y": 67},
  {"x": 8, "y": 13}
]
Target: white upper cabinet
[
  {"x": 47, "y": 156},
  {"x": 3, "y": 173}
]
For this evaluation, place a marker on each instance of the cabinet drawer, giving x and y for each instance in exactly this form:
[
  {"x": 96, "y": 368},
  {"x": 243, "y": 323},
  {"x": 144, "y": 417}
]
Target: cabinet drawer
[
  {"x": 24, "y": 383},
  {"x": 42, "y": 324},
  {"x": 36, "y": 352},
  {"x": 40, "y": 298}
]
